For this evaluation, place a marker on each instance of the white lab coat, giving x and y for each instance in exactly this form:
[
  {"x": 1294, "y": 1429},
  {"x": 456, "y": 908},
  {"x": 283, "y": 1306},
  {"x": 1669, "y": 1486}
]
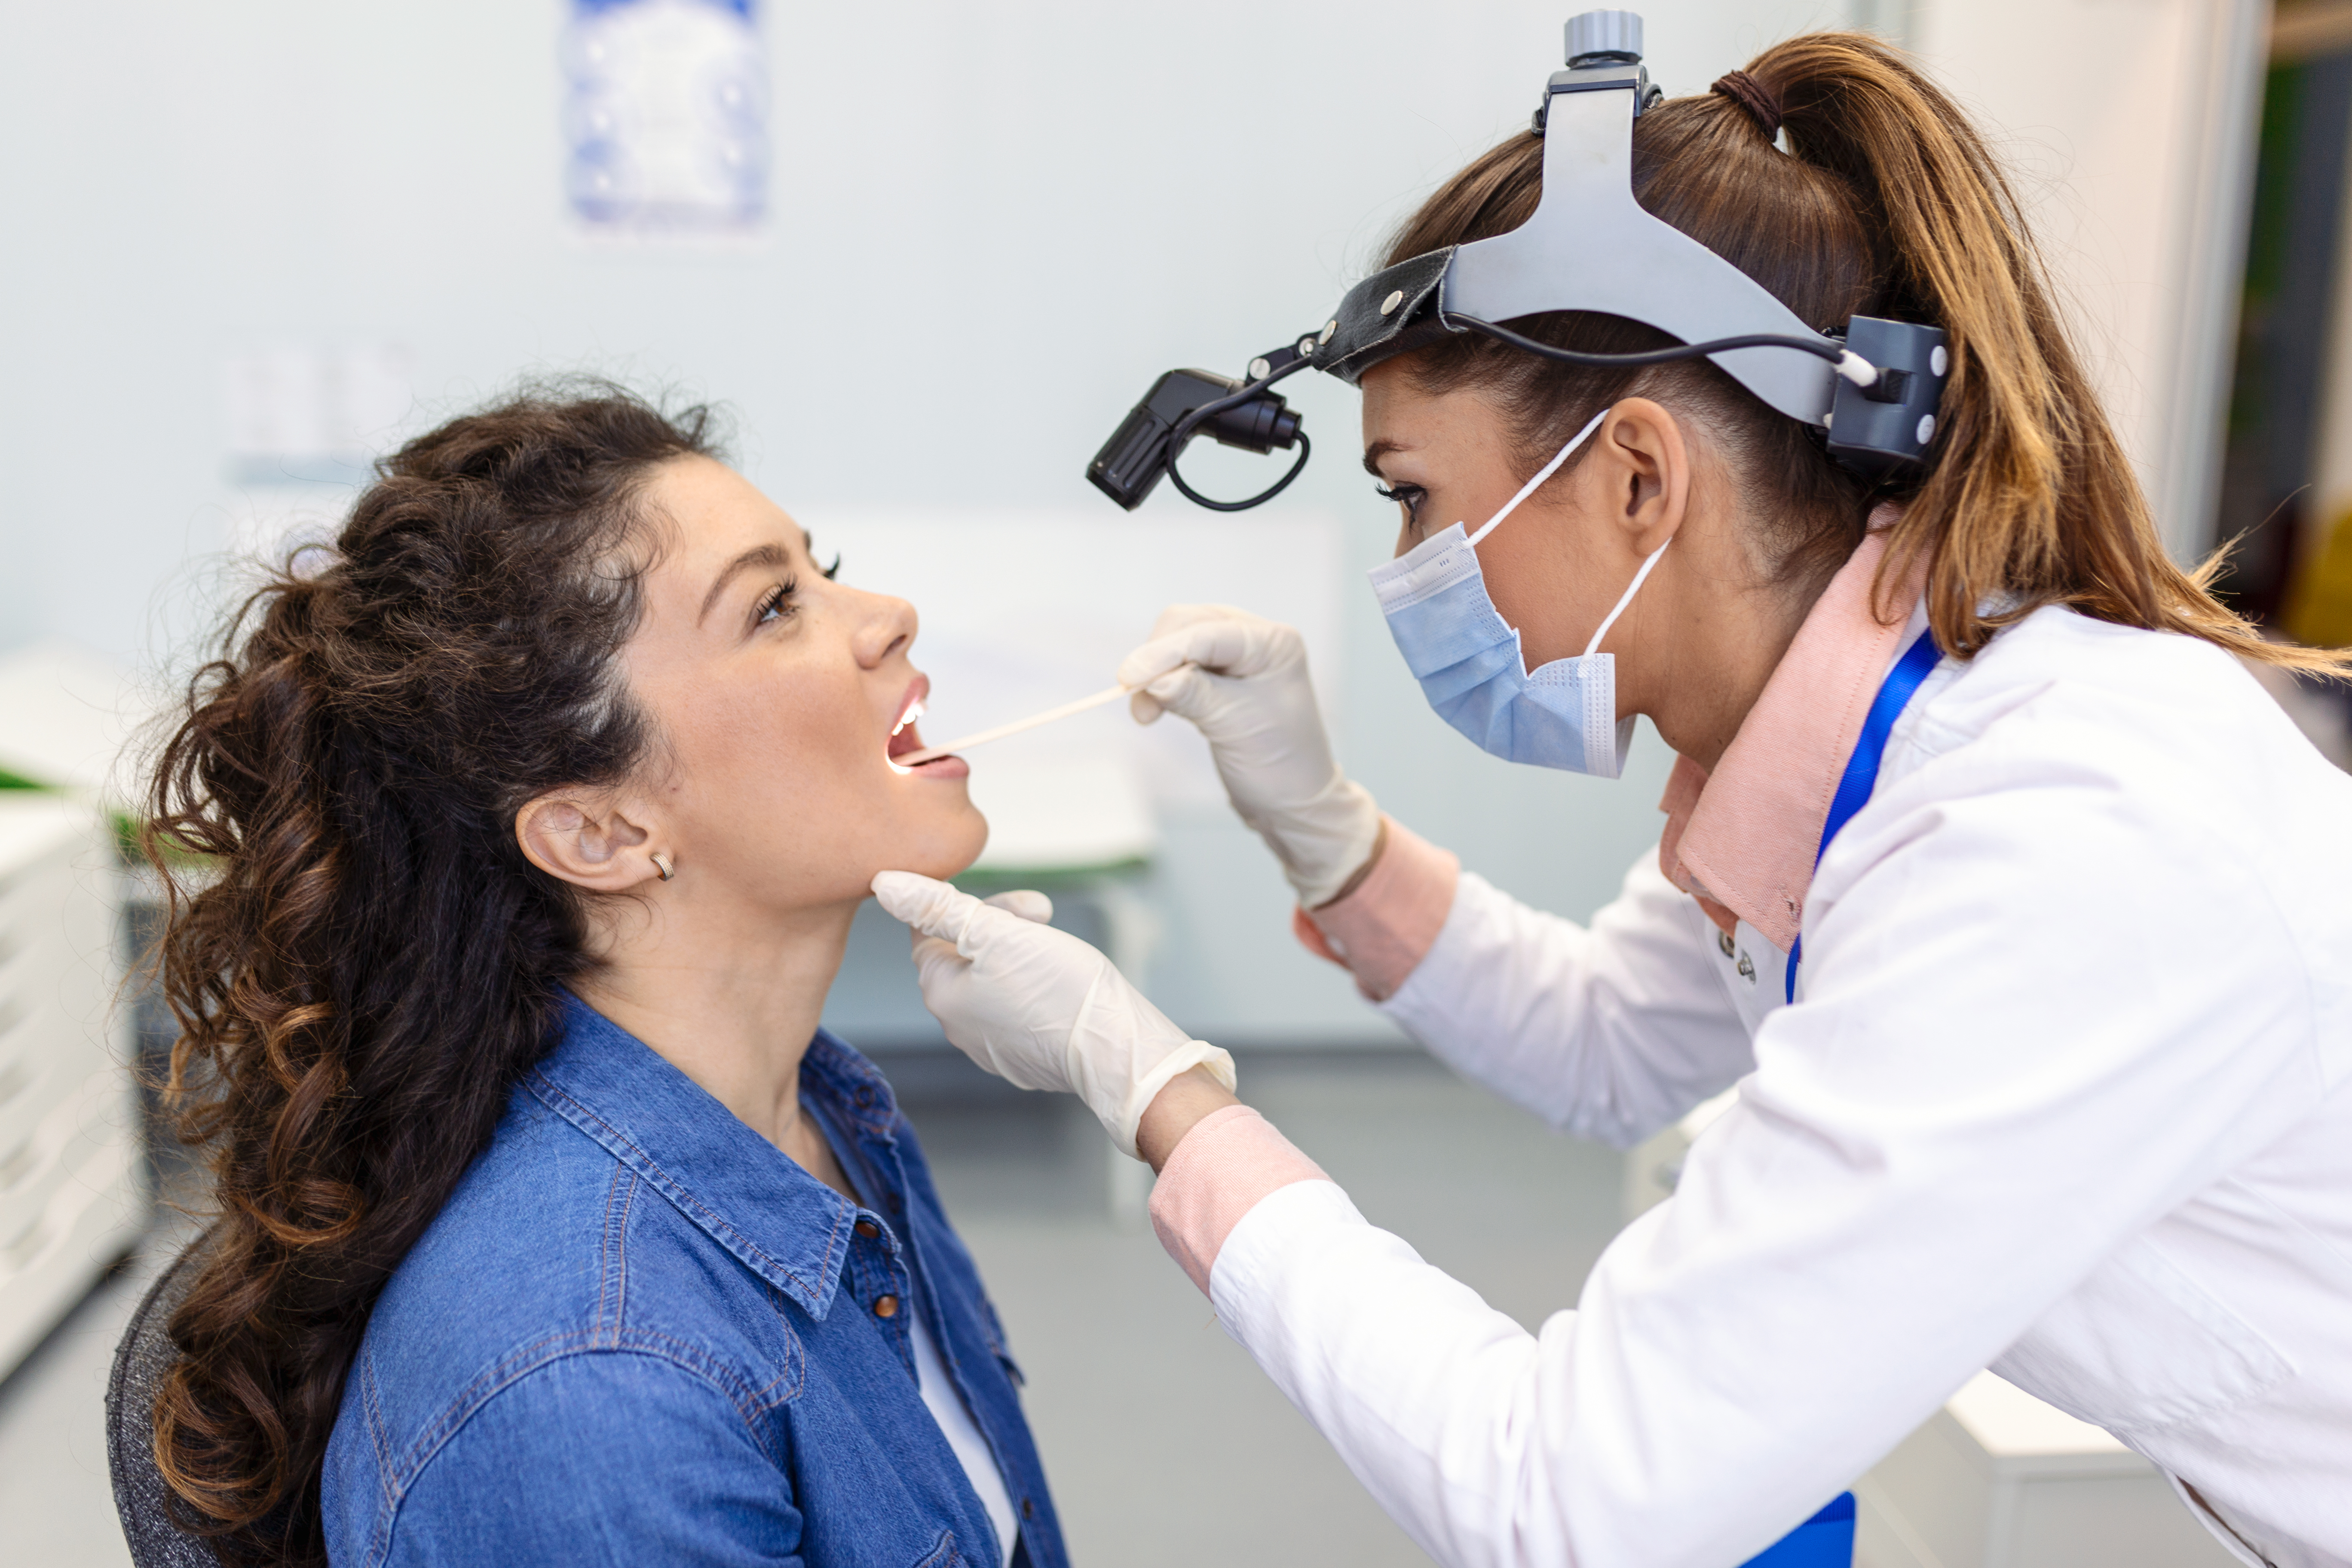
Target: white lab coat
[{"x": 2064, "y": 1093}]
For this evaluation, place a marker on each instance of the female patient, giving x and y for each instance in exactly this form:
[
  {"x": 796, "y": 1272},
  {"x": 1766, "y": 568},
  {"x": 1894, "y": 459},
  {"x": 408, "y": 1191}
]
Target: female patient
[{"x": 552, "y": 1228}]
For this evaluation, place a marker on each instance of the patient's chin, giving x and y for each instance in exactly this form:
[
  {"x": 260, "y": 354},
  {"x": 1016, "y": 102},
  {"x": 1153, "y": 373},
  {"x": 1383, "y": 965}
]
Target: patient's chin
[
  {"x": 948, "y": 853},
  {"x": 977, "y": 841}
]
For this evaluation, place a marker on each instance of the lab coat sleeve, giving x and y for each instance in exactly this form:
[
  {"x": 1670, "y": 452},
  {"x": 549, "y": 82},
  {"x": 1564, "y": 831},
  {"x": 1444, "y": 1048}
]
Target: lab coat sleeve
[
  {"x": 1997, "y": 1073},
  {"x": 1608, "y": 1032}
]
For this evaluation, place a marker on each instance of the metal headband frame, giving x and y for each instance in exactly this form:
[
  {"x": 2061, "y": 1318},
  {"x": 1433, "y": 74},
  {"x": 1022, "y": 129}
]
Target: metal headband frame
[{"x": 1590, "y": 246}]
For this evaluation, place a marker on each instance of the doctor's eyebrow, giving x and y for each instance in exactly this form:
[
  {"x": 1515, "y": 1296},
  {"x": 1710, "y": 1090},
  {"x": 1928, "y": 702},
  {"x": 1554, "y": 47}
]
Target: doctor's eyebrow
[{"x": 1375, "y": 452}]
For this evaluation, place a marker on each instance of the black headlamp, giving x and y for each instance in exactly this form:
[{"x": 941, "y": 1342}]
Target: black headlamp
[{"x": 1873, "y": 390}]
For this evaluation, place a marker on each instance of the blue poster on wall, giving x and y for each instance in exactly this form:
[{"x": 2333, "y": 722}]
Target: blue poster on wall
[{"x": 666, "y": 121}]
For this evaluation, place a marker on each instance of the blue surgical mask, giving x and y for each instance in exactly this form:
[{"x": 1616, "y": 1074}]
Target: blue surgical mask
[{"x": 1469, "y": 661}]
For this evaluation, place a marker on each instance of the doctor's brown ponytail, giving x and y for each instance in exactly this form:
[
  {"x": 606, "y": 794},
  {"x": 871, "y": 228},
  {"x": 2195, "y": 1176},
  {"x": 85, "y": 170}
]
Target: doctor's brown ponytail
[{"x": 1887, "y": 203}]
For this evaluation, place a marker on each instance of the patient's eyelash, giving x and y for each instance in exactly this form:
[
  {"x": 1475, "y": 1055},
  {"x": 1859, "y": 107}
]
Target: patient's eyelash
[
  {"x": 776, "y": 601},
  {"x": 834, "y": 570},
  {"x": 1407, "y": 496}
]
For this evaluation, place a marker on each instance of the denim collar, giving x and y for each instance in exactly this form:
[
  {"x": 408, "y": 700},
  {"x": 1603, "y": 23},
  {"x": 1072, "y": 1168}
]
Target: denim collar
[{"x": 782, "y": 1223}]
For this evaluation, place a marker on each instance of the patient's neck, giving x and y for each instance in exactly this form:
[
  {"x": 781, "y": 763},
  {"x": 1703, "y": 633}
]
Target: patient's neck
[{"x": 729, "y": 997}]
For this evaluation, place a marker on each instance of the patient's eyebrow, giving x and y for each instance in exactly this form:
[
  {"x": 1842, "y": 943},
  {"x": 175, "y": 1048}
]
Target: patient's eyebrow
[
  {"x": 758, "y": 555},
  {"x": 1375, "y": 452}
]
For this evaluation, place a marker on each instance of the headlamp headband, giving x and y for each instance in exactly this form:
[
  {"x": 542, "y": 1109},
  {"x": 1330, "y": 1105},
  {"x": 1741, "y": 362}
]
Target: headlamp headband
[{"x": 1589, "y": 246}]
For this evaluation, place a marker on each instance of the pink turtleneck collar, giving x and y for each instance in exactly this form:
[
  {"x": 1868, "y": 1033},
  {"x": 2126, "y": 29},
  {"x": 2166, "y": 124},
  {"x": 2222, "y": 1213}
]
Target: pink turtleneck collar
[{"x": 1742, "y": 839}]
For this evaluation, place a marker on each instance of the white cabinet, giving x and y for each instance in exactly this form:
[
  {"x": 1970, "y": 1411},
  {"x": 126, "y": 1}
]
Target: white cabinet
[{"x": 73, "y": 1187}]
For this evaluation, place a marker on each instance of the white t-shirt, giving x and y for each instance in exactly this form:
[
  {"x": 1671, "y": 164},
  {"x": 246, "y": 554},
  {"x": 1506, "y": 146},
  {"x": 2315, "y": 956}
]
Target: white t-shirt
[{"x": 956, "y": 1425}]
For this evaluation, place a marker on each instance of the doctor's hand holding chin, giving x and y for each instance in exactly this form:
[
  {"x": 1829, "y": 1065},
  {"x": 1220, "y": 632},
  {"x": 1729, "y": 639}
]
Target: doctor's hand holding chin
[{"x": 2007, "y": 901}]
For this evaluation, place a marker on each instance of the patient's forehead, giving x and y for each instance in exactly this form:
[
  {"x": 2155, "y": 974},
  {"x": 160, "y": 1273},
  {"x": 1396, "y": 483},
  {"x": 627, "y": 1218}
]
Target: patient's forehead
[
  {"x": 709, "y": 506},
  {"x": 699, "y": 515}
]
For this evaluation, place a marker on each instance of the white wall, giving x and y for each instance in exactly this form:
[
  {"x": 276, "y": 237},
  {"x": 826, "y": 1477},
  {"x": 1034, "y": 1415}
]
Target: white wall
[
  {"x": 2131, "y": 125},
  {"x": 992, "y": 227}
]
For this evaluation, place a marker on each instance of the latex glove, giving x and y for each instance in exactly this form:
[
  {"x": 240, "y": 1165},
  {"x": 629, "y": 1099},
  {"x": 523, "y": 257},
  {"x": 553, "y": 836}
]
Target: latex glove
[
  {"x": 1242, "y": 680},
  {"x": 1038, "y": 1007}
]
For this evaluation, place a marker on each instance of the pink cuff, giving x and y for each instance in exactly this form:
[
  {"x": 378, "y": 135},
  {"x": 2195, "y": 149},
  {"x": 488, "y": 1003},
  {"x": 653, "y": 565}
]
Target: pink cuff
[
  {"x": 1217, "y": 1173},
  {"x": 1383, "y": 929}
]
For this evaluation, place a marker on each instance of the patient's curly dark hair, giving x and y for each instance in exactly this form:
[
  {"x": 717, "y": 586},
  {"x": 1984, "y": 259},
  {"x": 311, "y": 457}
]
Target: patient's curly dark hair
[{"x": 360, "y": 960}]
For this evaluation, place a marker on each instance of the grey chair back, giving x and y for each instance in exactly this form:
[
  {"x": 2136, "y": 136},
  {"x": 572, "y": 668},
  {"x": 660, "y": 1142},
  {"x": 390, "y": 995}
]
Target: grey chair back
[{"x": 140, "y": 1361}]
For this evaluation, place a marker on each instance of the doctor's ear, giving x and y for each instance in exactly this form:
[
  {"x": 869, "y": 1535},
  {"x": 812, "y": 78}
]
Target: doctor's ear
[
  {"x": 591, "y": 839},
  {"x": 1641, "y": 467}
]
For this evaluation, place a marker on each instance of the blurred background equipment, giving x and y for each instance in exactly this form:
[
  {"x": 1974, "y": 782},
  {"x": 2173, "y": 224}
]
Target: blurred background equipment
[
  {"x": 2285, "y": 507},
  {"x": 75, "y": 1193},
  {"x": 668, "y": 115}
]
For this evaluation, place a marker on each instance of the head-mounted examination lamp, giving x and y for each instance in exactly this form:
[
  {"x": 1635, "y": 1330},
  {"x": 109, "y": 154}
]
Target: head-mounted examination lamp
[{"x": 1589, "y": 246}]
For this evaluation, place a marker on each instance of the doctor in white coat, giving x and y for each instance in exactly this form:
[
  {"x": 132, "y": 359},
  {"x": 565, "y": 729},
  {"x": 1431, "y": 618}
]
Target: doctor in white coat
[{"x": 2020, "y": 917}]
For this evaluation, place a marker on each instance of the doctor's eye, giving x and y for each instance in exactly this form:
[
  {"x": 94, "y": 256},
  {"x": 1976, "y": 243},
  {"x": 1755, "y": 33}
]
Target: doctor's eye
[{"x": 1406, "y": 496}]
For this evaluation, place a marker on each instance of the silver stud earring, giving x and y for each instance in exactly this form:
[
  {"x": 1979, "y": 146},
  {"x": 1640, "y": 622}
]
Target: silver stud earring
[{"x": 661, "y": 864}]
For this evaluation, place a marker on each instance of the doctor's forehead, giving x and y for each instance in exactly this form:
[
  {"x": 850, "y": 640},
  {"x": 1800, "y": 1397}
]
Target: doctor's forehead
[{"x": 1397, "y": 414}]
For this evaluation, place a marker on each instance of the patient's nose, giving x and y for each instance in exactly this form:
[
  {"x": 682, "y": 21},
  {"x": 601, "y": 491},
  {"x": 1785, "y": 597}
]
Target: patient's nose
[{"x": 885, "y": 626}]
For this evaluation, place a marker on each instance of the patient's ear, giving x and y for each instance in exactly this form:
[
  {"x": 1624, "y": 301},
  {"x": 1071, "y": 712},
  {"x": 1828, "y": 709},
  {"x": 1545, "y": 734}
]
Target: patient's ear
[{"x": 591, "y": 839}]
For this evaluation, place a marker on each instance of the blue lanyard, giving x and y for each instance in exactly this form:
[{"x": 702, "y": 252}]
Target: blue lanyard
[{"x": 1861, "y": 775}]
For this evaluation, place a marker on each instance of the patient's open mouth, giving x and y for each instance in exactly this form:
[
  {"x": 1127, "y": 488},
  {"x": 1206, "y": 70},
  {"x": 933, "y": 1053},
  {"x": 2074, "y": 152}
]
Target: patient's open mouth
[{"x": 905, "y": 738}]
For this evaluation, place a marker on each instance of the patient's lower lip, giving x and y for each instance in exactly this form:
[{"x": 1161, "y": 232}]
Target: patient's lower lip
[{"x": 947, "y": 767}]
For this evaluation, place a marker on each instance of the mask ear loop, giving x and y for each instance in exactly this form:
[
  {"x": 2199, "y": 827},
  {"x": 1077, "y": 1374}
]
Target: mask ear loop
[
  {"x": 1635, "y": 588},
  {"x": 1546, "y": 471}
]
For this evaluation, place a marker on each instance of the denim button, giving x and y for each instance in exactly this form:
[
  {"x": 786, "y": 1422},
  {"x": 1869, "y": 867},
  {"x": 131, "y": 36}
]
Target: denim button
[
  {"x": 868, "y": 1228},
  {"x": 1028, "y": 1509},
  {"x": 886, "y": 1306}
]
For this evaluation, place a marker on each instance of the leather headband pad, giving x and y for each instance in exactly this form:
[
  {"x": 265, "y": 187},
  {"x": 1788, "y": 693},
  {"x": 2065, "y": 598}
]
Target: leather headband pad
[{"x": 1362, "y": 335}]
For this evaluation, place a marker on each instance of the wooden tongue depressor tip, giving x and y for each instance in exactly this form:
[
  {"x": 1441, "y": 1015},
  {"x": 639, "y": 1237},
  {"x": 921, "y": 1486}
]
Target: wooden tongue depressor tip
[{"x": 916, "y": 759}]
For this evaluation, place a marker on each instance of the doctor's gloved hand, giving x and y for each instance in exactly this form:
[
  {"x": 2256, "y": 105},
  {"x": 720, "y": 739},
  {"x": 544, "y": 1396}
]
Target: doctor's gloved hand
[
  {"x": 1038, "y": 1007},
  {"x": 1242, "y": 681}
]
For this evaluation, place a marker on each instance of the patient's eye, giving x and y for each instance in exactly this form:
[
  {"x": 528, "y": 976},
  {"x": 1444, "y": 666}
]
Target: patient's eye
[
  {"x": 777, "y": 602},
  {"x": 834, "y": 570}
]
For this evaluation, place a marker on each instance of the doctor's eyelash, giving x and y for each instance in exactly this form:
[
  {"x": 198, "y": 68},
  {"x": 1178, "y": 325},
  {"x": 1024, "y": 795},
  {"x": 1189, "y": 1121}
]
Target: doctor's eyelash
[{"x": 1407, "y": 496}]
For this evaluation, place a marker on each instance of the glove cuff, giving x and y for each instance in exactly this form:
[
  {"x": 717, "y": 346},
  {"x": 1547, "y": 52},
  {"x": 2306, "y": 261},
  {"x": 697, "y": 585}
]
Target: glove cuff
[
  {"x": 1324, "y": 842},
  {"x": 1191, "y": 1054}
]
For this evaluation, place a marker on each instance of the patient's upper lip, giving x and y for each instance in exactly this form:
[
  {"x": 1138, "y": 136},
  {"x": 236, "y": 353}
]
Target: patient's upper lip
[{"x": 910, "y": 705}]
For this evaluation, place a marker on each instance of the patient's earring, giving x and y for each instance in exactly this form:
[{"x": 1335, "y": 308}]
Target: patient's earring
[{"x": 661, "y": 864}]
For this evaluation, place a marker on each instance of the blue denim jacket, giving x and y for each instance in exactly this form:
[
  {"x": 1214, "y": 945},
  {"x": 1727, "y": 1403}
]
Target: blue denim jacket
[{"x": 638, "y": 1333}]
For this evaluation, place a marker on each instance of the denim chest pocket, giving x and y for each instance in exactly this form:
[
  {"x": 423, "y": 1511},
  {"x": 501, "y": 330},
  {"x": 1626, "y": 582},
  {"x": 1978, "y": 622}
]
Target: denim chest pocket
[
  {"x": 943, "y": 1553},
  {"x": 2139, "y": 1344}
]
